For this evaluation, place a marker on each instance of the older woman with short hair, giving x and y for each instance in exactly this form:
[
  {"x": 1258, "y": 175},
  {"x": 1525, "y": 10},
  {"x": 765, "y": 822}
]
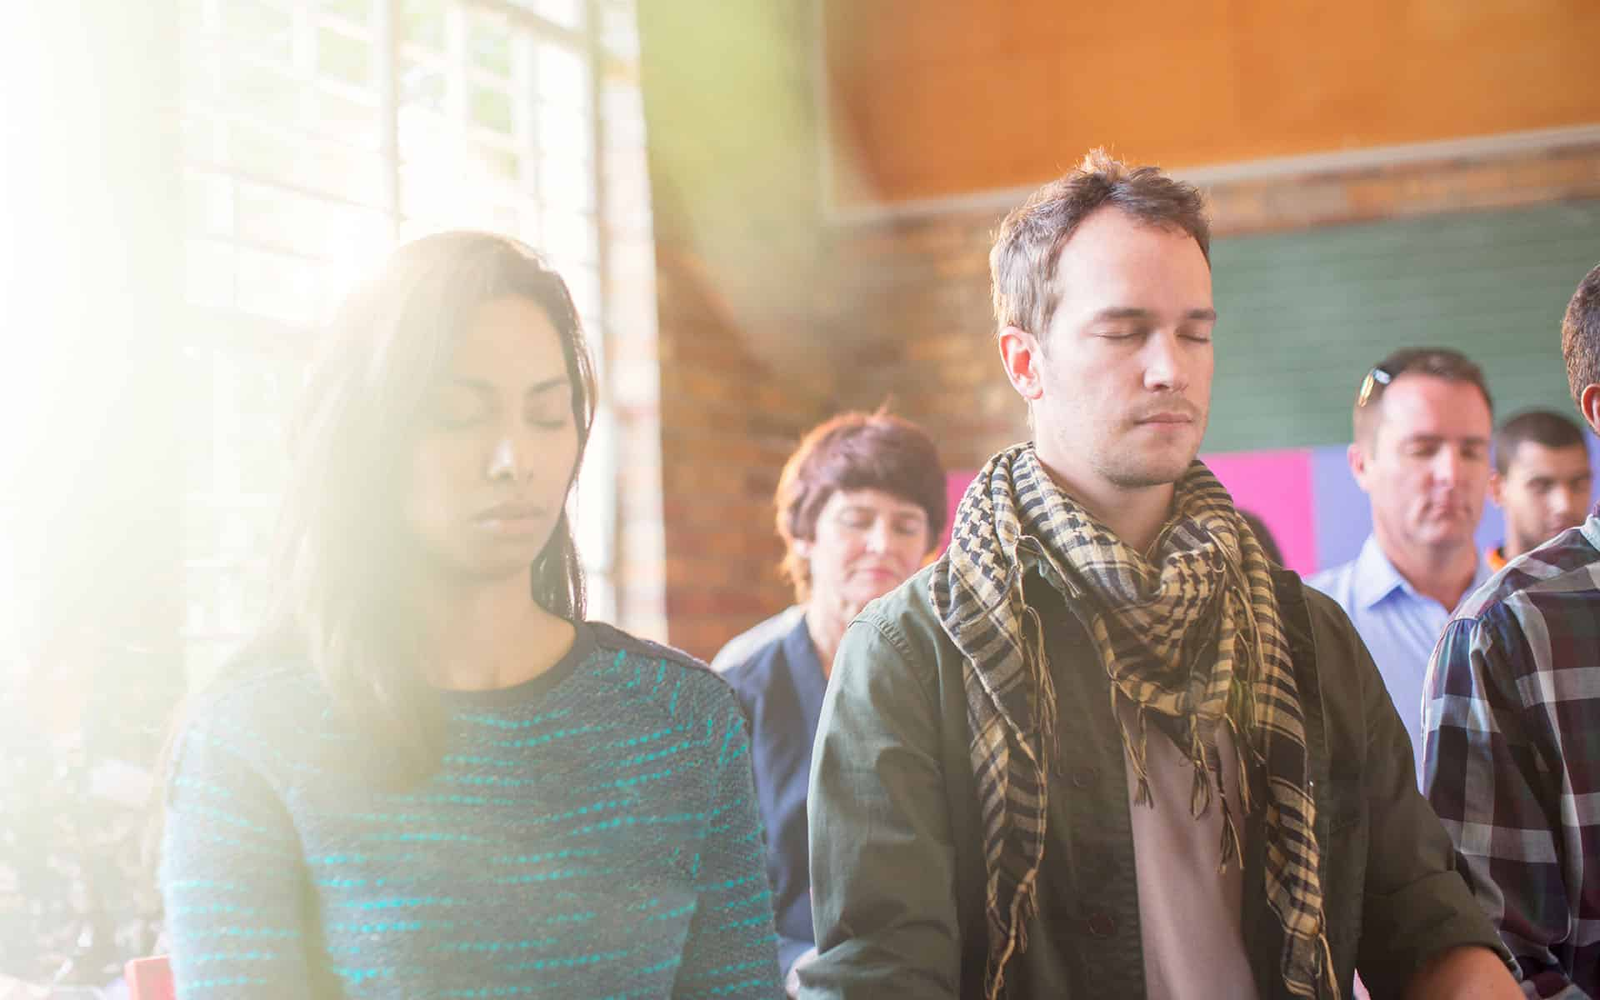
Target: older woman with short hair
[{"x": 861, "y": 503}]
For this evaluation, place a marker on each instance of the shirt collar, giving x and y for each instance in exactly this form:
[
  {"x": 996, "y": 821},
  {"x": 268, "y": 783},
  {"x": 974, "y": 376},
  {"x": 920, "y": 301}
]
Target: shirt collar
[{"x": 1376, "y": 578}]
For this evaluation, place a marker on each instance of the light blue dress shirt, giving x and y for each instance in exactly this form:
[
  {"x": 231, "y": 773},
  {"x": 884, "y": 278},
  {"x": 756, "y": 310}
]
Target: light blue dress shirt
[{"x": 1399, "y": 626}]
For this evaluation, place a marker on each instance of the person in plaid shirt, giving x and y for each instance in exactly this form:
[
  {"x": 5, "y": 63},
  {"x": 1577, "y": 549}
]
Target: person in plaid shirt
[{"x": 1512, "y": 721}]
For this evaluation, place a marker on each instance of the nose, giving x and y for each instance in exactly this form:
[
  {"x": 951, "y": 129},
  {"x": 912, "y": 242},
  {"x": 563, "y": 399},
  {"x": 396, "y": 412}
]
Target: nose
[
  {"x": 503, "y": 460},
  {"x": 878, "y": 536},
  {"x": 1446, "y": 467},
  {"x": 1567, "y": 502},
  {"x": 1163, "y": 365}
]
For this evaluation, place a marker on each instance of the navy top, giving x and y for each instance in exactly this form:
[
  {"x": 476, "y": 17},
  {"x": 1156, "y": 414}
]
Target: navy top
[
  {"x": 592, "y": 832},
  {"x": 780, "y": 686}
]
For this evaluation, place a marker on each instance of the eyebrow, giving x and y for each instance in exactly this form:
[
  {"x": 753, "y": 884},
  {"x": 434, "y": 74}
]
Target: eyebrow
[
  {"x": 537, "y": 389},
  {"x": 907, "y": 511},
  {"x": 1441, "y": 438},
  {"x": 1132, "y": 312}
]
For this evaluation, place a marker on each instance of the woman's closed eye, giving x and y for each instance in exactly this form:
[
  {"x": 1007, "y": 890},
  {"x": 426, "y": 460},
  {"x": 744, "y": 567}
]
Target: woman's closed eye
[
  {"x": 457, "y": 409},
  {"x": 549, "y": 418}
]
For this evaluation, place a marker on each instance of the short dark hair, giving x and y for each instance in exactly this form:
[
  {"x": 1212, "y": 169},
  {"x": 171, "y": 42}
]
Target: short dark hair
[
  {"x": 1580, "y": 336},
  {"x": 1439, "y": 362},
  {"x": 856, "y": 451},
  {"x": 1542, "y": 427},
  {"x": 1022, "y": 263}
]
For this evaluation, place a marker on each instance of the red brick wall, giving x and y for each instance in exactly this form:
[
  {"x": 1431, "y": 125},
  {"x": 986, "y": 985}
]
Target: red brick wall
[{"x": 728, "y": 423}]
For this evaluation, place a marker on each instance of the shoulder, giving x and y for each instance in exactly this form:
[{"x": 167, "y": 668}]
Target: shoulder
[
  {"x": 261, "y": 691},
  {"x": 753, "y": 640},
  {"x": 1565, "y": 569},
  {"x": 900, "y": 630},
  {"x": 1333, "y": 581},
  {"x": 267, "y": 712},
  {"x": 753, "y": 671},
  {"x": 661, "y": 676},
  {"x": 1312, "y": 614}
]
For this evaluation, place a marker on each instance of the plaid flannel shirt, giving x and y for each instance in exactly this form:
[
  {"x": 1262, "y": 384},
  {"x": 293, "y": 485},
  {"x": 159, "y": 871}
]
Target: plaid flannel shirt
[{"x": 1512, "y": 761}]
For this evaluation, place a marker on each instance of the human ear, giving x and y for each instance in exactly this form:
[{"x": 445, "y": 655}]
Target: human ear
[{"x": 1019, "y": 354}]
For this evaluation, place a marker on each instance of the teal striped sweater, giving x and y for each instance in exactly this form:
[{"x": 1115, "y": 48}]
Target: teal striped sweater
[{"x": 591, "y": 833}]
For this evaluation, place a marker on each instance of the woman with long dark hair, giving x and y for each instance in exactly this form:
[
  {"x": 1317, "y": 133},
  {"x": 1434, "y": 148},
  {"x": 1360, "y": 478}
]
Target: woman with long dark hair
[{"x": 431, "y": 777}]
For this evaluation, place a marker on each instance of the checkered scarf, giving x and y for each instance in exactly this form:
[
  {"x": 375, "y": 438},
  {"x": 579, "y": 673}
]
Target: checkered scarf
[{"x": 1190, "y": 635}]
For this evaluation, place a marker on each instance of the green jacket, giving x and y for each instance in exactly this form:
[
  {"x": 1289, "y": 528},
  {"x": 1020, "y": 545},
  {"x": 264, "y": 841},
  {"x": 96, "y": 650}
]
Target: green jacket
[{"x": 896, "y": 841}]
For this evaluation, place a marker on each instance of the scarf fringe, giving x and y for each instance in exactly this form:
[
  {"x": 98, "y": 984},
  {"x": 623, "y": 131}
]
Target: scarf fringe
[{"x": 1039, "y": 668}]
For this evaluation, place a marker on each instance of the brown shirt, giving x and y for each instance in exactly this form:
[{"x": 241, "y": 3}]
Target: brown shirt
[{"x": 1189, "y": 911}]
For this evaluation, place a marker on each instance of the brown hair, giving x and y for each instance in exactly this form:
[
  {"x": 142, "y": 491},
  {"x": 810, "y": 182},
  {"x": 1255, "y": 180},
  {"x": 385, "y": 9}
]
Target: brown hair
[
  {"x": 1580, "y": 336},
  {"x": 341, "y": 598},
  {"x": 1543, "y": 427},
  {"x": 855, "y": 451},
  {"x": 1438, "y": 362},
  {"x": 1022, "y": 264}
]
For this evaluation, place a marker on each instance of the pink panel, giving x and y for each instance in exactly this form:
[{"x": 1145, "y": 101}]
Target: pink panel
[
  {"x": 1275, "y": 486},
  {"x": 955, "y": 486}
]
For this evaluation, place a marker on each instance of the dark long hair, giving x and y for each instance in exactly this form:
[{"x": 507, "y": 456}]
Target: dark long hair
[{"x": 342, "y": 568}]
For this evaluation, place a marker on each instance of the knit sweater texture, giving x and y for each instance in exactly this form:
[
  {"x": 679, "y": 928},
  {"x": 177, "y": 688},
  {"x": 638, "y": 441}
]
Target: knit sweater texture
[{"x": 590, "y": 833}]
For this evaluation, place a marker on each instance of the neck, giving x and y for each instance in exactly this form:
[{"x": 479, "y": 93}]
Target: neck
[
  {"x": 1514, "y": 546},
  {"x": 1443, "y": 573},
  {"x": 826, "y": 621},
  {"x": 1135, "y": 515},
  {"x": 484, "y": 635}
]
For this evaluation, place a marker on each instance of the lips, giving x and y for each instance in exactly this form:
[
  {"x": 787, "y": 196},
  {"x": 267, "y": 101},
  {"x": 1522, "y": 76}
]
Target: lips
[
  {"x": 513, "y": 518},
  {"x": 880, "y": 571},
  {"x": 1166, "y": 417}
]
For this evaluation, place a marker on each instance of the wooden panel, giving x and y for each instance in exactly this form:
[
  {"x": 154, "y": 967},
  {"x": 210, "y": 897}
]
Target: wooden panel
[
  {"x": 1302, "y": 316},
  {"x": 942, "y": 97}
]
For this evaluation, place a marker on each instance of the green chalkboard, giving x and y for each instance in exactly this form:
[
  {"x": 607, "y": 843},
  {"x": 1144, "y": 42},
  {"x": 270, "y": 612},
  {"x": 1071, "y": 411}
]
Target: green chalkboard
[{"x": 1303, "y": 315}]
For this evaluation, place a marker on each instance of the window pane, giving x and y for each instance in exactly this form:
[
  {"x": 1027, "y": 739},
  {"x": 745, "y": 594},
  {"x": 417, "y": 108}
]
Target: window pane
[
  {"x": 313, "y": 164},
  {"x": 208, "y": 199},
  {"x": 563, "y": 76},
  {"x": 567, "y": 13},
  {"x": 569, "y": 236},
  {"x": 356, "y": 11},
  {"x": 277, "y": 286},
  {"x": 344, "y": 58},
  {"x": 258, "y": 28},
  {"x": 584, "y": 283},
  {"x": 422, "y": 88},
  {"x": 490, "y": 108},
  {"x": 619, "y": 31},
  {"x": 567, "y": 183},
  {"x": 209, "y": 273},
  {"x": 489, "y": 44},
  {"x": 422, "y": 23},
  {"x": 260, "y": 92},
  {"x": 336, "y": 115},
  {"x": 564, "y": 132}
]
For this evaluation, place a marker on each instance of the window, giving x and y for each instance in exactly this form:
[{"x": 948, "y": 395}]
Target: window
[{"x": 316, "y": 135}]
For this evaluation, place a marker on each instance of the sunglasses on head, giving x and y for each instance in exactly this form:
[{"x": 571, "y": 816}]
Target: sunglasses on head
[{"x": 1378, "y": 376}]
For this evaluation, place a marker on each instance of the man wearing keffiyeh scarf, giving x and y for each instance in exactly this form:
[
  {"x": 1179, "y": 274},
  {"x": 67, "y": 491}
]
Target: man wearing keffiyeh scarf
[
  {"x": 1207, "y": 590},
  {"x": 963, "y": 844}
]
